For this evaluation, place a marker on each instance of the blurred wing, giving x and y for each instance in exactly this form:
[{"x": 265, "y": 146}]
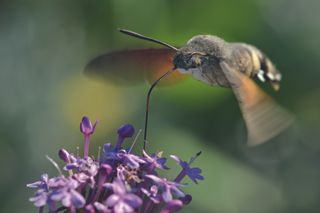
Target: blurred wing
[
  {"x": 134, "y": 66},
  {"x": 264, "y": 118}
]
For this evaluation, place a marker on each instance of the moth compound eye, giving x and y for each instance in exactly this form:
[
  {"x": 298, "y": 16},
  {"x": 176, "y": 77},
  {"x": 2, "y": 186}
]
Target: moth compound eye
[{"x": 180, "y": 61}]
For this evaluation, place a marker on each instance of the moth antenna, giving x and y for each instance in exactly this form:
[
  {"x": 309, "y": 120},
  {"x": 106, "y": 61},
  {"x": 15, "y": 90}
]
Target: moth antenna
[
  {"x": 137, "y": 35},
  {"x": 148, "y": 104}
]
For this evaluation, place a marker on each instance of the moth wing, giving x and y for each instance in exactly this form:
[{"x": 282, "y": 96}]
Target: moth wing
[
  {"x": 263, "y": 117},
  {"x": 134, "y": 66}
]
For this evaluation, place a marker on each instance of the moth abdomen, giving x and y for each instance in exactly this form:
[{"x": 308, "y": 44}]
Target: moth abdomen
[{"x": 269, "y": 72}]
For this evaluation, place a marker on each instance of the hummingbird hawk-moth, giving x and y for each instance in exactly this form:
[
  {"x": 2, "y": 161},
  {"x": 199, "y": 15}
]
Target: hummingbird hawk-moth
[{"x": 209, "y": 59}]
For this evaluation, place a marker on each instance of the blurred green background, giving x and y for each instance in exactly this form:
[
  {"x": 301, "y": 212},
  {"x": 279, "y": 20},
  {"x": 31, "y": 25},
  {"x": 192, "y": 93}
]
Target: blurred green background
[{"x": 44, "y": 46}]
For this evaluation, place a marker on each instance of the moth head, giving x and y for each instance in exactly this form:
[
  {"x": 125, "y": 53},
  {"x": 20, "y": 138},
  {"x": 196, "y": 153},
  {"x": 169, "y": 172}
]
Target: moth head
[{"x": 188, "y": 60}]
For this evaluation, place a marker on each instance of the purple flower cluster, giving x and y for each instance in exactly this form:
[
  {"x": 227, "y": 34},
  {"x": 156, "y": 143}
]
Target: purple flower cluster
[{"x": 119, "y": 181}]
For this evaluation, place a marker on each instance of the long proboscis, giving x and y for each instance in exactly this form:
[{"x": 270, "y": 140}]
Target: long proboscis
[
  {"x": 148, "y": 104},
  {"x": 137, "y": 35}
]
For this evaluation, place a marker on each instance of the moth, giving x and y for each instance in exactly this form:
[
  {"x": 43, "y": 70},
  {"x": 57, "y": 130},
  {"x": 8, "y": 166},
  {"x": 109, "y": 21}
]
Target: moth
[{"x": 211, "y": 60}]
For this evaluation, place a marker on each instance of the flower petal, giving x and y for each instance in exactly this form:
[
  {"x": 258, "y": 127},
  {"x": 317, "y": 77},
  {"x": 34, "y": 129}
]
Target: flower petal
[
  {"x": 66, "y": 200},
  {"x": 145, "y": 154},
  {"x": 57, "y": 195},
  {"x": 146, "y": 192},
  {"x": 155, "y": 178},
  {"x": 122, "y": 207},
  {"x": 194, "y": 174},
  {"x": 133, "y": 200},
  {"x": 77, "y": 199},
  {"x": 39, "y": 200},
  {"x": 101, "y": 208},
  {"x": 177, "y": 192},
  {"x": 166, "y": 195},
  {"x": 36, "y": 184},
  {"x": 176, "y": 158},
  {"x": 112, "y": 200}
]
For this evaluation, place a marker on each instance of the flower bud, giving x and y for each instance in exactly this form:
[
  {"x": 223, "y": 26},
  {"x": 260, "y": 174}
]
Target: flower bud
[
  {"x": 126, "y": 131},
  {"x": 172, "y": 206},
  {"x": 105, "y": 169},
  {"x": 64, "y": 155},
  {"x": 186, "y": 199},
  {"x": 86, "y": 126}
]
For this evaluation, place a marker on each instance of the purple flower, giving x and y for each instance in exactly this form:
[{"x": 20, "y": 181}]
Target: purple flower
[
  {"x": 87, "y": 165},
  {"x": 121, "y": 200},
  {"x": 41, "y": 195},
  {"x": 193, "y": 173},
  {"x": 154, "y": 161},
  {"x": 125, "y": 131},
  {"x": 40, "y": 198},
  {"x": 87, "y": 129},
  {"x": 86, "y": 169},
  {"x": 56, "y": 189},
  {"x": 131, "y": 160},
  {"x": 120, "y": 182},
  {"x": 64, "y": 190},
  {"x": 41, "y": 184},
  {"x": 167, "y": 188}
]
